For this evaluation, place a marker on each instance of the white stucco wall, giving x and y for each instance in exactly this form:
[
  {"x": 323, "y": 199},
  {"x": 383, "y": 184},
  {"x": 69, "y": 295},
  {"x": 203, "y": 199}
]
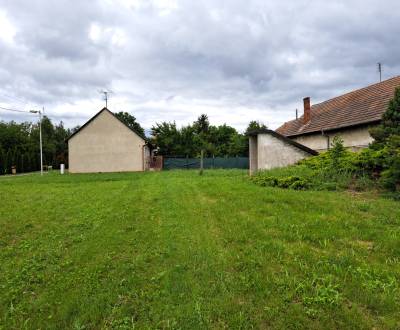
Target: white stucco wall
[
  {"x": 273, "y": 152},
  {"x": 355, "y": 138},
  {"x": 105, "y": 145}
]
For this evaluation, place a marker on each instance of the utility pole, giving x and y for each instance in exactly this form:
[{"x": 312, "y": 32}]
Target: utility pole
[
  {"x": 380, "y": 71},
  {"x": 40, "y": 137}
]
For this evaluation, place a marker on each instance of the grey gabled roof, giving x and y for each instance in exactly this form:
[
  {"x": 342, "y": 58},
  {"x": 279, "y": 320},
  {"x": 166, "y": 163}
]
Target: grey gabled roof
[
  {"x": 95, "y": 116},
  {"x": 283, "y": 138}
]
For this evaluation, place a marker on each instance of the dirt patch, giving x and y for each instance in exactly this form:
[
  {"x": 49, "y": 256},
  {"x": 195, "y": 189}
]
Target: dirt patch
[{"x": 365, "y": 244}]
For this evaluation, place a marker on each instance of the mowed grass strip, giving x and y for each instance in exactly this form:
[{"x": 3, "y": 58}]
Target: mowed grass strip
[{"x": 176, "y": 250}]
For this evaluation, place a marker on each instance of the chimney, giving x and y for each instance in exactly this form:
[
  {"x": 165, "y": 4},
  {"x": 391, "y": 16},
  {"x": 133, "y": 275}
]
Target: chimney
[{"x": 307, "y": 110}]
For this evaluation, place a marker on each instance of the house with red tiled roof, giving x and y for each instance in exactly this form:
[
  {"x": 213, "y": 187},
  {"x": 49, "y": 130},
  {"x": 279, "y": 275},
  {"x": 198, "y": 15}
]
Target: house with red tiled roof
[{"x": 349, "y": 116}]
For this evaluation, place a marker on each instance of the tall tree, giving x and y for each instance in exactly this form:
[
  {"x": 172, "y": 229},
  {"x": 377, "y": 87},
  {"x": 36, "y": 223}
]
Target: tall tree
[
  {"x": 387, "y": 143},
  {"x": 255, "y": 125},
  {"x": 131, "y": 122},
  {"x": 390, "y": 124},
  {"x": 166, "y": 137},
  {"x": 202, "y": 124}
]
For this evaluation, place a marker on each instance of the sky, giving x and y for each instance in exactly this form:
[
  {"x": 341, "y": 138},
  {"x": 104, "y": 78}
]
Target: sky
[{"x": 172, "y": 60}]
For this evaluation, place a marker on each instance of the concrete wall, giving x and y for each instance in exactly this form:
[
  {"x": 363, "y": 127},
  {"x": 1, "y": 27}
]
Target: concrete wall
[
  {"x": 253, "y": 151},
  {"x": 273, "y": 152},
  {"x": 355, "y": 139},
  {"x": 105, "y": 145}
]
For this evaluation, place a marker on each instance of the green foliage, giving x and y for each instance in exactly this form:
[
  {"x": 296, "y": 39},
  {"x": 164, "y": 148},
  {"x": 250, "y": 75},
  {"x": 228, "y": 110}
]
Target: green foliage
[
  {"x": 337, "y": 169},
  {"x": 19, "y": 145},
  {"x": 218, "y": 141},
  {"x": 390, "y": 122},
  {"x": 337, "y": 153},
  {"x": 391, "y": 164},
  {"x": 131, "y": 122},
  {"x": 291, "y": 182},
  {"x": 336, "y": 159},
  {"x": 387, "y": 145},
  {"x": 255, "y": 125}
]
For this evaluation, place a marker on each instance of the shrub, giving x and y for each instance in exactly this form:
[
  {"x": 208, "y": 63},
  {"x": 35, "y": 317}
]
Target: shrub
[
  {"x": 300, "y": 184},
  {"x": 336, "y": 159},
  {"x": 262, "y": 180},
  {"x": 291, "y": 182}
]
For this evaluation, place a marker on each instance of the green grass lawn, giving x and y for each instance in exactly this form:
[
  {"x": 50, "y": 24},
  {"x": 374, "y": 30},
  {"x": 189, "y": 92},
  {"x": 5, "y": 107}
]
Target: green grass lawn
[{"x": 175, "y": 250}]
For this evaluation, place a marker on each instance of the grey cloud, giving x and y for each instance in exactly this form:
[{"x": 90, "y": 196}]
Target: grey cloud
[{"x": 255, "y": 55}]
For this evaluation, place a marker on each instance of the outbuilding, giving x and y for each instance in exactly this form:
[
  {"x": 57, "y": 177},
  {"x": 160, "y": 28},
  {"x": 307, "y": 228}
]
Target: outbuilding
[
  {"x": 106, "y": 144},
  {"x": 269, "y": 149}
]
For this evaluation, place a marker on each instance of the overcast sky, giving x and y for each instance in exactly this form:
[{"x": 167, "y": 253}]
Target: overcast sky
[{"x": 171, "y": 60}]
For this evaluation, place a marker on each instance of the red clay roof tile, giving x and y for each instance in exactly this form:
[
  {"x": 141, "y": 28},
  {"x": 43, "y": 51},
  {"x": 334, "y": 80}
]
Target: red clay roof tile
[{"x": 362, "y": 106}]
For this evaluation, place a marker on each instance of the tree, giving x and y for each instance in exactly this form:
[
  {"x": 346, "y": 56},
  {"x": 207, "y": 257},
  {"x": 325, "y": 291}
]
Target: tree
[
  {"x": 166, "y": 137},
  {"x": 255, "y": 125},
  {"x": 2, "y": 160},
  {"x": 20, "y": 145},
  {"x": 391, "y": 175},
  {"x": 61, "y": 146},
  {"x": 390, "y": 124},
  {"x": 131, "y": 122},
  {"x": 190, "y": 140},
  {"x": 387, "y": 143},
  {"x": 202, "y": 124}
]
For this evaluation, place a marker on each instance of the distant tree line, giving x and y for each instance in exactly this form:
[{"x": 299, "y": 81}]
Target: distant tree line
[
  {"x": 190, "y": 140},
  {"x": 19, "y": 142},
  {"x": 19, "y": 145}
]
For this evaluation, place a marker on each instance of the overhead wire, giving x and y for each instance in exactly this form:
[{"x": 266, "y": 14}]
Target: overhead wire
[{"x": 14, "y": 110}]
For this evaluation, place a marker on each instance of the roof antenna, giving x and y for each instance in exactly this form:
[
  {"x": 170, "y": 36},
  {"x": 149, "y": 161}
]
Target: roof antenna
[
  {"x": 105, "y": 92},
  {"x": 380, "y": 71},
  {"x": 297, "y": 114}
]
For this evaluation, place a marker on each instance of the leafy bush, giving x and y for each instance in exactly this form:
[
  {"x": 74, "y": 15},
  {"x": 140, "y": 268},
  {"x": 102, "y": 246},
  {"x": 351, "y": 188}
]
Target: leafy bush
[
  {"x": 291, "y": 182},
  {"x": 265, "y": 180},
  {"x": 336, "y": 169},
  {"x": 337, "y": 159}
]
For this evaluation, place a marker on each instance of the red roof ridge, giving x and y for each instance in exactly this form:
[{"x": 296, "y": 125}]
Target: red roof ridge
[{"x": 355, "y": 91}]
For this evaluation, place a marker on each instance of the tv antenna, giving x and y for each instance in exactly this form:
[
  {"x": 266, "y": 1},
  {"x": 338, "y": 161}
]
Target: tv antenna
[
  {"x": 106, "y": 95},
  {"x": 380, "y": 71}
]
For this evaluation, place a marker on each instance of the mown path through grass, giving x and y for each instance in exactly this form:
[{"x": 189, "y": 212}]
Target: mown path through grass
[{"x": 179, "y": 250}]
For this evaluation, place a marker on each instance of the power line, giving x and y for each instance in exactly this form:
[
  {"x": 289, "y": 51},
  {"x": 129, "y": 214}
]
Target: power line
[
  {"x": 14, "y": 110},
  {"x": 30, "y": 112}
]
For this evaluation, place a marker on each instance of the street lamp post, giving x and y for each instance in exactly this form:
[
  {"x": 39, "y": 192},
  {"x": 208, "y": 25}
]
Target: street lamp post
[{"x": 40, "y": 134}]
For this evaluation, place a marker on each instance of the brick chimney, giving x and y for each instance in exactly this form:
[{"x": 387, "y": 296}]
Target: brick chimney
[{"x": 307, "y": 110}]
